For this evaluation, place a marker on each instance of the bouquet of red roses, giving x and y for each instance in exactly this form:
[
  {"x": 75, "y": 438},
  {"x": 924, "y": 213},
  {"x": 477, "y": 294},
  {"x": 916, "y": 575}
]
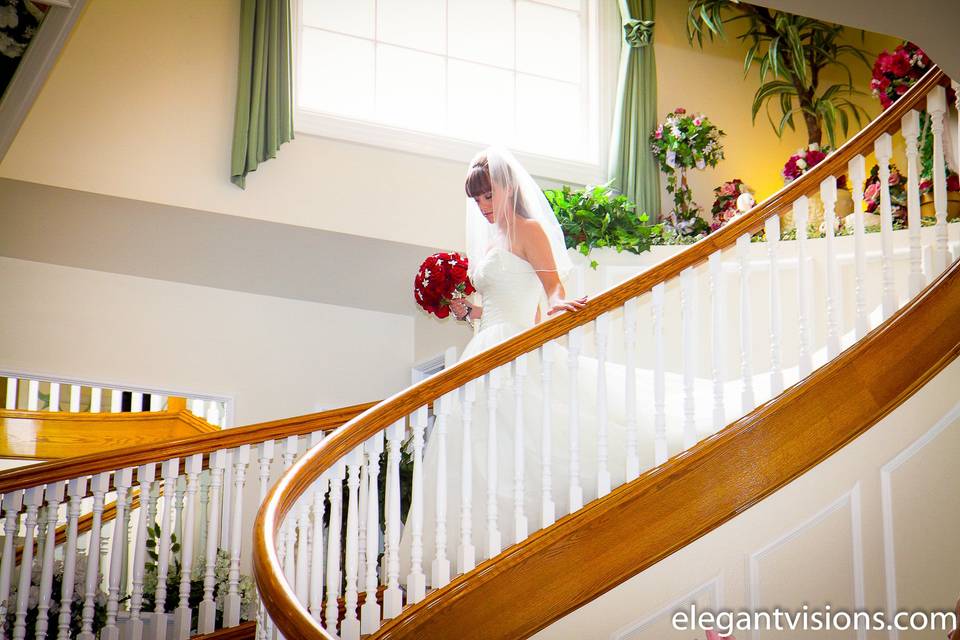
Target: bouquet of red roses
[{"x": 441, "y": 278}]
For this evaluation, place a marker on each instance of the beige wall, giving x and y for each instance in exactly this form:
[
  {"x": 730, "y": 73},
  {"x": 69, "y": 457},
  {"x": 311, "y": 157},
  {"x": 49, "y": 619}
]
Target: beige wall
[
  {"x": 275, "y": 357},
  {"x": 140, "y": 105},
  {"x": 871, "y": 527}
]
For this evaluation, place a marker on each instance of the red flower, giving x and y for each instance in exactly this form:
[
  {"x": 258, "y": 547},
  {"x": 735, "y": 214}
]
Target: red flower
[
  {"x": 438, "y": 279},
  {"x": 953, "y": 182},
  {"x": 680, "y": 110}
]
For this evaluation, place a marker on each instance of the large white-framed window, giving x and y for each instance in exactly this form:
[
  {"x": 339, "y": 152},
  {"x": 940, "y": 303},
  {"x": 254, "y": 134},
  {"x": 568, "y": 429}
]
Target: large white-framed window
[{"x": 443, "y": 77}]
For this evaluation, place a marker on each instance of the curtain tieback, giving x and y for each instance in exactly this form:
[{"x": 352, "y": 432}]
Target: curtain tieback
[{"x": 638, "y": 33}]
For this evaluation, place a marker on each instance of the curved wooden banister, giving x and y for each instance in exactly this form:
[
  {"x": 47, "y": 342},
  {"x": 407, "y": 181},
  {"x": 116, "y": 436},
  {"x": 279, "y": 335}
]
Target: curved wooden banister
[
  {"x": 34, "y": 475},
  {"x": 53, "y": 435},
  {"x": 281, "y": 601},
  {"x": 667, "y": 508}
]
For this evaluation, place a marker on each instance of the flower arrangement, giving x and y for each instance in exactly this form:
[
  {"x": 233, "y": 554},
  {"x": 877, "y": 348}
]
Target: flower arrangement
[
  {"x": 682, "y": 142},
  {"x": 441, "y": 278},
  {"x": 894, "y": 73},
  {"x": 898, "y": 192},
  {"x": 802, "y": 161},
  {"x": 596, "y": 217},
  {"x": 53, "y": 613},
  {"x": 732, "y": 199}
]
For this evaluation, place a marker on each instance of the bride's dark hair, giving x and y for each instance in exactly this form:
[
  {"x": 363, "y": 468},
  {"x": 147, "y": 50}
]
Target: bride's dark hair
[{"x": 478, "y": 183}]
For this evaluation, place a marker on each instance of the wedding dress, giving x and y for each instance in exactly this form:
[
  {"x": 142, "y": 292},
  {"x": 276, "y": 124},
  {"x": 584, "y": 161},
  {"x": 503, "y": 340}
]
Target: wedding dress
[{"x": 511, "y": 292}]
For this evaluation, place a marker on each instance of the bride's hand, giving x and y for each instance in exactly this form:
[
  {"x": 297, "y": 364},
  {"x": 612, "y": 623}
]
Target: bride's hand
[
  {"x": 460, "y": 308},
  {"x": 567, "y": 305}
]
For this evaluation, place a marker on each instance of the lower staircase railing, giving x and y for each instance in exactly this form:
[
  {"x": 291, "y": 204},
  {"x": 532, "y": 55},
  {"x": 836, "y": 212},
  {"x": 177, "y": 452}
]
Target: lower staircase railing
[{"x": 495, "y": 478}]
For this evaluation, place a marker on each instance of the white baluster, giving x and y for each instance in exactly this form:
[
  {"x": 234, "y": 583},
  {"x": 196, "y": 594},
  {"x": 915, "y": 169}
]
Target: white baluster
[
  {"x": 574, "y": 342},
  {"x": 659, "y": 377},
  {"x": 316, "y": 551},
  {"x": 548, "y": 514},
  {"x": 226, "y": 516},
  {"x": 156, "y": 402},
  {"x": 11, "y": 508},
  {"x": 178, "y": 509},
  {"x": 98, "y": 486},
  {"x": 213, "y": 412},
  {"x": 937, "y": 107},
  {"x": 96, "y": 398},
  {"x": 630, "y": 392},
  {"x": 416, "y": 580},
  {"x": 122, "y": 481},
  {"x": 801, "y": 210},
  {"x": 718, "y": 343},
  {"x": 11, "y": 401},
  {"x": 688, "y": 314},
  {"x": 519, "y": 495},
  {"x": 33, "y": 498},
  {"x": 182, "y": 615},
  {"x": 440, "y": 568},
  {"x": 170, "y": 470},
  {"x": 883, "y": 148},
  {"x": 302, "y": 529},
  {"x": 203, "y": 518},
  {"x": 75, "y": 398},
  {"x": 333, "y": 547},
  {"x": 196, "y": 407},
  {"x": 466, "y": 552},
  {"x": 33, "y": 395},
  {"x": 208, "y": 608},
  {"x": 828, "y": 194},
  {"x": 601, "y": 333},
  {"x": 125, "y": 547},
  {"x": 910, "y": 128},
  {"x": 856, "y": 174},
  {"x": 55, "y": 492},
  {"x": 370, "y": 611},
  {"x": 76, "y": 489},
  {"x": 746, "y": 333},
  {"x": 136, "y": 401},
  {"x": 145, "y": 475},
  {"x": 291, "y": 444},
  {"x": 231, "y": 606},
  {"x": 350, "y": 627},
  {"x": 392, "y": 596},
  {"x": 772, "y": 231},
  {"x": 494, "y": 545},
  {"x": 116, "y": 400},
  {"x": 54, "y": 404}
]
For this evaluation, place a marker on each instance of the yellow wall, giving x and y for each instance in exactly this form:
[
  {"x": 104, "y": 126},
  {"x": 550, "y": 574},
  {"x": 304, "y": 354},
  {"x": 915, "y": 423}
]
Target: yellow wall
[
  {"x": 140, "y": 105},
  {"x": 711, "y": 81}
]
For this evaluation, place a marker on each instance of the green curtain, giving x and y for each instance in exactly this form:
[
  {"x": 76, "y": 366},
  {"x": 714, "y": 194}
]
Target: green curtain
[
  {"x": 633, "y": 168},
  {"x": 264, "y": 115}
]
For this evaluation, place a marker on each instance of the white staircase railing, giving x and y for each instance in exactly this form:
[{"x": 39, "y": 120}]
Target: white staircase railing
[{"x": 594, "y": 426}]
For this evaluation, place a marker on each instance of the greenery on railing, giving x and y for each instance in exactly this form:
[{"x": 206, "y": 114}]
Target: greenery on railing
[{"x": 596, "y": 217}]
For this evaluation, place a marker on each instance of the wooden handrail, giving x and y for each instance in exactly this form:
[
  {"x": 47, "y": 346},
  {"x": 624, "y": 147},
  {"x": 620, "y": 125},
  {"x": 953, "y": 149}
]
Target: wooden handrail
[
  {"x": 281, "y": 601},
  {"x": 667, "y": 508},
  {"x": 37, "y": 474},
  {"x": 52, "y": 435}
]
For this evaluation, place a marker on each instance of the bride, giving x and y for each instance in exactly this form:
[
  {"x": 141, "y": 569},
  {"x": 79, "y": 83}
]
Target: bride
[{"x": 518, "y": 260}]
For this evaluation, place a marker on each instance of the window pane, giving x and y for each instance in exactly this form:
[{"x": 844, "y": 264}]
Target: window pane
[
  {"x": 482, "y": 31},
  {"x": 412, "y": 23},
  {"x": 349, "y": 16},
  {"x": 549, "y": 41},
  {"x": 573, "y": 5},
  {"x": 549, "y": 118},
  {"x": 410, "y": 89},
  {"x": 480, "y": 102},
  {"x": 336, "y": 74}
]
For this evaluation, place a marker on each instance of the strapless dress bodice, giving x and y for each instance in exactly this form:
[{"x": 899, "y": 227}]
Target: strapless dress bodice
[{"x": 510, "y": 288}]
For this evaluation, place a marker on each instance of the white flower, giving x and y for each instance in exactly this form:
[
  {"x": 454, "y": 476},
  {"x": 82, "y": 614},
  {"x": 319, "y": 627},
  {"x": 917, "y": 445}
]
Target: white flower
[
  {"x": 701, "y": 164},
  {"x": 675, "y": 130},
  {"x": 8, "y": 17},
  {"x": 814, "y": 146},
  {"x": 745, "y": 202},
  {"x": 672, "y": 158},
  {"x": 801, "y": 163}
]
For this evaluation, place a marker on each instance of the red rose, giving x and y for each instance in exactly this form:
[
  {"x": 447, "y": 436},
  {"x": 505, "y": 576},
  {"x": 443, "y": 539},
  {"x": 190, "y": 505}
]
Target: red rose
[{"x": 953, "y": 182}]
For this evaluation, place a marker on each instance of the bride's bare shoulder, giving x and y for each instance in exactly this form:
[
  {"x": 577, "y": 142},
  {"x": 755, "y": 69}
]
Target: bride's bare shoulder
[{"x": 530, "y": 229}]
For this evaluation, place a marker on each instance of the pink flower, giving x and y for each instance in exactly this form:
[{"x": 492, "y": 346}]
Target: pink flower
[
  {"x": 926, "y": 185},
  {"x": 894, "y": 178},
  {"x": 872, "y": 192},
  {"x": 680, "y": 110},
  {"x": 697, "y": 122},
  {"x": 659, "y": 133},
  {"x": 728, "y": 189}
]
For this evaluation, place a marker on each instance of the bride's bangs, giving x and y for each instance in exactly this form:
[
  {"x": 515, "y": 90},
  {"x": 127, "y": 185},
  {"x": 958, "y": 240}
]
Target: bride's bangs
[{"x": 478, "y": 179}]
